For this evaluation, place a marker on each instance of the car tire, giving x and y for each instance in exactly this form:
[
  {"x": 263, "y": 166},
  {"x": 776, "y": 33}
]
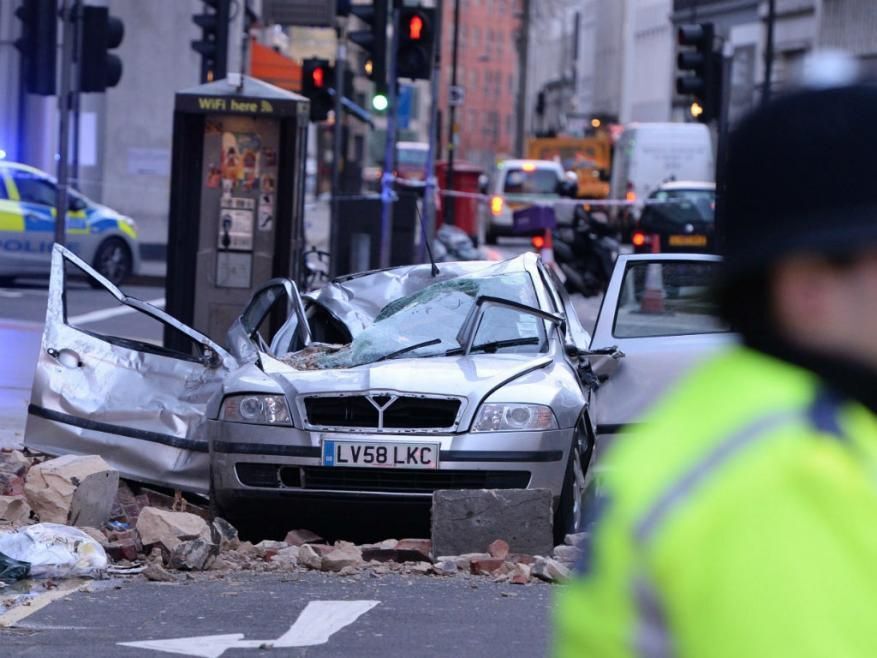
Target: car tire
[
  {"x": 113, "y": 261},
  {"x": 491, "y": 237},
  {"x": 569, "y": 516}
]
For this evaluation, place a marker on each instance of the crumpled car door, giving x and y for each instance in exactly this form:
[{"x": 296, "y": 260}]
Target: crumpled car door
[
  {"x": 273, "y": 321},
  {"x": 142, "y": 407},
  {"x": 658, "y": 311}
]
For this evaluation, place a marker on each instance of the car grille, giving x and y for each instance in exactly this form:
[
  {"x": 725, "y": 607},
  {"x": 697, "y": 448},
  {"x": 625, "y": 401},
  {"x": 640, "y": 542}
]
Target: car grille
[
  {"x": 376, "y": 480},
  {"x": 399, "y": 412}
]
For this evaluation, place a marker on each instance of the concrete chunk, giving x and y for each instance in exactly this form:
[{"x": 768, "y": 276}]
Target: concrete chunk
[
  {"x": 167, "y": 529},
  {"x": 467, "y": 521},
  {"x": 74, "y": 490},
  {"x": 14, "y": 509}
]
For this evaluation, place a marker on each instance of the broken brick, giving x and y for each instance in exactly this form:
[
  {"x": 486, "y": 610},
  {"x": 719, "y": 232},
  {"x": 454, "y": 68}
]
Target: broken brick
[
  {"x": 486, "y": 566},
  {"x": 498, "y": 549}
]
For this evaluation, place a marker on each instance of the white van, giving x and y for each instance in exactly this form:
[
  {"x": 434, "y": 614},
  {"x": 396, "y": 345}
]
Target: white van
[
  {"x": 649, "y": 154},
  {"x": 520, "y": 183}
]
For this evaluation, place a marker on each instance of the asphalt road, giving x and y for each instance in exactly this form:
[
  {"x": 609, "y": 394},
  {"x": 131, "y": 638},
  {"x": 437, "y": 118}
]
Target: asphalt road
[
  {"x": 423, "y": 616},
  {"x": 93, "y": 309}
]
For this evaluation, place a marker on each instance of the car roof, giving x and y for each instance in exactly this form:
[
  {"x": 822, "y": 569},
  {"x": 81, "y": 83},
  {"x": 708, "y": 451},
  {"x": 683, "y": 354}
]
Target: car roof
[
  {"x": 356, "y": 299},
  {"x": 19, "y": 166},
  {"x": 686, "y": 185}
]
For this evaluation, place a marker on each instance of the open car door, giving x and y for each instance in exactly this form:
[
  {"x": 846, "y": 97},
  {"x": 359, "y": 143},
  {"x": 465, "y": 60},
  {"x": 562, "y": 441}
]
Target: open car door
[
  {"x": 658, "y": 312},
  {"x": 273, "y": 322},
  {"x": 140, "y": 406}
]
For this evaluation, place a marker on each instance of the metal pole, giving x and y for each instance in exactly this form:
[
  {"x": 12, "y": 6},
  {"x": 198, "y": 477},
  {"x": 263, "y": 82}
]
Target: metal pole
[
  {"x": 523, "y": 52},
  {"x": 388, "y": 196},
  {"x": 452, "y": 113},
  {"x": 337, "y": 136},
  {"x": 64, "y": 126},
  {"x": 429, "y": 172},
  {"x": 768, "y": 52},
  {"x": 722, "y": 146},
  {"x": 77, "y": 96}
]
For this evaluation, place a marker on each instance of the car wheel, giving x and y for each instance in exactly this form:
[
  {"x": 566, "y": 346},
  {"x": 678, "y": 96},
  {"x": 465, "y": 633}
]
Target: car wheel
[
  {"x": 490, "y": 238},
  {"x": 113, "y": 261},
  {"x": 568, "y": 518}
]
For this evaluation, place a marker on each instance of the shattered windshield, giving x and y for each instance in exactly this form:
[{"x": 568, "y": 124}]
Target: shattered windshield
[{"x": 426, "y": 323}]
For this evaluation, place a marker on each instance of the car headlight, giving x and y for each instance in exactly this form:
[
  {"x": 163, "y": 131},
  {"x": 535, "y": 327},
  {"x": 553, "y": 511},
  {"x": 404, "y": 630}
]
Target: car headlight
[
  {"x": 514, "y": 418},
  {"x": 259, "y": 409}
]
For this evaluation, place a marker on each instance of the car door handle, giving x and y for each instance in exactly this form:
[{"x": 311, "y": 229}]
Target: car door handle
[{"x": 65, "y": 357}]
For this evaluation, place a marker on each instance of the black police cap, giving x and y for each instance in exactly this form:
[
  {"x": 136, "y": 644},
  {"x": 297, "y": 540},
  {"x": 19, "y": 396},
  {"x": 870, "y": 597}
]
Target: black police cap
[{"x": 802, "y": 177}]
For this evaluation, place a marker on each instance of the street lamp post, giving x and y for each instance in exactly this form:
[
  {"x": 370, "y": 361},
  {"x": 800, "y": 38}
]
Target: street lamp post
[{"x": 452, "y": 114}]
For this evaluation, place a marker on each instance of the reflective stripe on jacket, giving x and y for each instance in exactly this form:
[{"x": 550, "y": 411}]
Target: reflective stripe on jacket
[{"x": 740, "y": 520}]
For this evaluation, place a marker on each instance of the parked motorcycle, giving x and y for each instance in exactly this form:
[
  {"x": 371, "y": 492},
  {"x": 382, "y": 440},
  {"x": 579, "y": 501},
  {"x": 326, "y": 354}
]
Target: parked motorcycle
[{"x": 586, "y": 252}]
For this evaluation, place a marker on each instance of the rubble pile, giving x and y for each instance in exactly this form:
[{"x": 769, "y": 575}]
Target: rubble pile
[{"x": 161, "y": 538}]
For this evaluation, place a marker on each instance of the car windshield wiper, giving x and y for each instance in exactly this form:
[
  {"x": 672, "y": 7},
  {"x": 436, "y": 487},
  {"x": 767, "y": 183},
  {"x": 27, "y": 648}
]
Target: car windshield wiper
[
  {"x": 410, "y": 348},
  {"x": 495, "y": 345}
]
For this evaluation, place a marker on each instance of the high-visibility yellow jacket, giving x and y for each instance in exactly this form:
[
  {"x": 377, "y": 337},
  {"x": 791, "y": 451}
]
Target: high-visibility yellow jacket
[{"x": 739, "y": 520}]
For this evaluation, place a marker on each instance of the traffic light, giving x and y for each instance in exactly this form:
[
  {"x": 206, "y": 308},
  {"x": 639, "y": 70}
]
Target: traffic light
[
  {"x": 373, "y": 40},
  {"x": 416, "y": 34},
  {"x": 213, "y": 45},
  {"x": 99, "y": 68},
  {"x": 316, "y": 78},
  {"x": 700, "y": 67},
  {"x": 38, "y": 44}
]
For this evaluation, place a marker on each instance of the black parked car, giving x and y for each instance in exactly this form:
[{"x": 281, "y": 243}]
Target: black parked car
[{"x": 677, "y": 217}]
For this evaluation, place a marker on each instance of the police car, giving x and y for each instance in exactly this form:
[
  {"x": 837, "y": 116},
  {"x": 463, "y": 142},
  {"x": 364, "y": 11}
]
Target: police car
[{"x": 99, "y": 235}]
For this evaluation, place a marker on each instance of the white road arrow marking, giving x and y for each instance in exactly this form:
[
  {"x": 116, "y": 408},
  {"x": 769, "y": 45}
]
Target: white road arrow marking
[
  {"x": 315, "y": 625},
  {"x": 320, "y": 619}
]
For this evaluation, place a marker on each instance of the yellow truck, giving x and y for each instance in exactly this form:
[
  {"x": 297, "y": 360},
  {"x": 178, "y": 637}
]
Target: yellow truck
[{"x": 589, "y": 157}]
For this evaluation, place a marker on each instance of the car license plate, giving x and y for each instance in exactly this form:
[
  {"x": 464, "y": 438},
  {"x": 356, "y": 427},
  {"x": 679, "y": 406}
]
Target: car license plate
[
  {"x": 380, "y": 454},
  {"x": 687, "y": 240}
]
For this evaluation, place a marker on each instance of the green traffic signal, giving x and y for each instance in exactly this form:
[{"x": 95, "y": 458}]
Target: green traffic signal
[{"x": 380, "y": 102}]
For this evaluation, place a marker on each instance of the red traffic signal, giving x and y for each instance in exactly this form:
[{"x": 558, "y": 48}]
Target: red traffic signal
[
  {"x": 318, "y": 75},
  {"x": 415, "y": 28},
  {"x": 315, "y": 81},
  {"x": 416, "y": 34}
]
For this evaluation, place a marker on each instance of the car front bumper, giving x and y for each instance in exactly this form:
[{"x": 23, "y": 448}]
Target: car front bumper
[{"x": 252, "y": 462}]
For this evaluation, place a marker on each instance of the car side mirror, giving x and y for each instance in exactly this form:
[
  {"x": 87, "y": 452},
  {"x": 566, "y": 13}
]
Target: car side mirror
[
  {"x": 75, "y": 204},
  {"x": 603, "y": 362}
]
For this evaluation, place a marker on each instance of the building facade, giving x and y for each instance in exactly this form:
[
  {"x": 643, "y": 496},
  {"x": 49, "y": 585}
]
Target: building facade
[{"x": 487, "y": 70}]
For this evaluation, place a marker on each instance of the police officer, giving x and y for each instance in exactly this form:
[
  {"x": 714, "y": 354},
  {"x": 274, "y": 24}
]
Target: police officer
[{"x": 741, "y": 520}]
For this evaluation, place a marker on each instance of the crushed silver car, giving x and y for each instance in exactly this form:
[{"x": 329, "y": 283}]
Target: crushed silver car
[{"x": 380, "y": 386}]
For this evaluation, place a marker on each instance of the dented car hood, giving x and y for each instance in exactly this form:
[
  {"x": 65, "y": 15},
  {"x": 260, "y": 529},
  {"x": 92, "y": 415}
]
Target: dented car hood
[{"x": 471, "y": 377}]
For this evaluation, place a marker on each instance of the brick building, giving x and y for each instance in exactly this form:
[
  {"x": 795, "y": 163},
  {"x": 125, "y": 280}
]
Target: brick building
[{"x": 487, "y": 68}]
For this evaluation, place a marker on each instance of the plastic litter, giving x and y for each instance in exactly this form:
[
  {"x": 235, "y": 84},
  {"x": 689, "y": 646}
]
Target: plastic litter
[
  {"x": 12, "y": 569},
  {"x": 54, "y": 551}
]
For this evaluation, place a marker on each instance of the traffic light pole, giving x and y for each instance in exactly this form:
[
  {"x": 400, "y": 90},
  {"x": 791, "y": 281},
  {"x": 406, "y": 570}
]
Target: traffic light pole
[
  {"x": 337, "y": 136},
  {"x": 722, "y": 146},
  {"x": 452, "y": 114},
  {"x": 64, "y": 126},
  {"x": 387, "y": 193},
  {"x": 77, "y": 96},
  {"x": 429, "y": 173}
]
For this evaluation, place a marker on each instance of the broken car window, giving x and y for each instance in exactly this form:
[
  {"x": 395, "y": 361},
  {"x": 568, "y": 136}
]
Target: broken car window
[
  {"x": 436, "y": 314},
  {"x": 99, "y": 314}
]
